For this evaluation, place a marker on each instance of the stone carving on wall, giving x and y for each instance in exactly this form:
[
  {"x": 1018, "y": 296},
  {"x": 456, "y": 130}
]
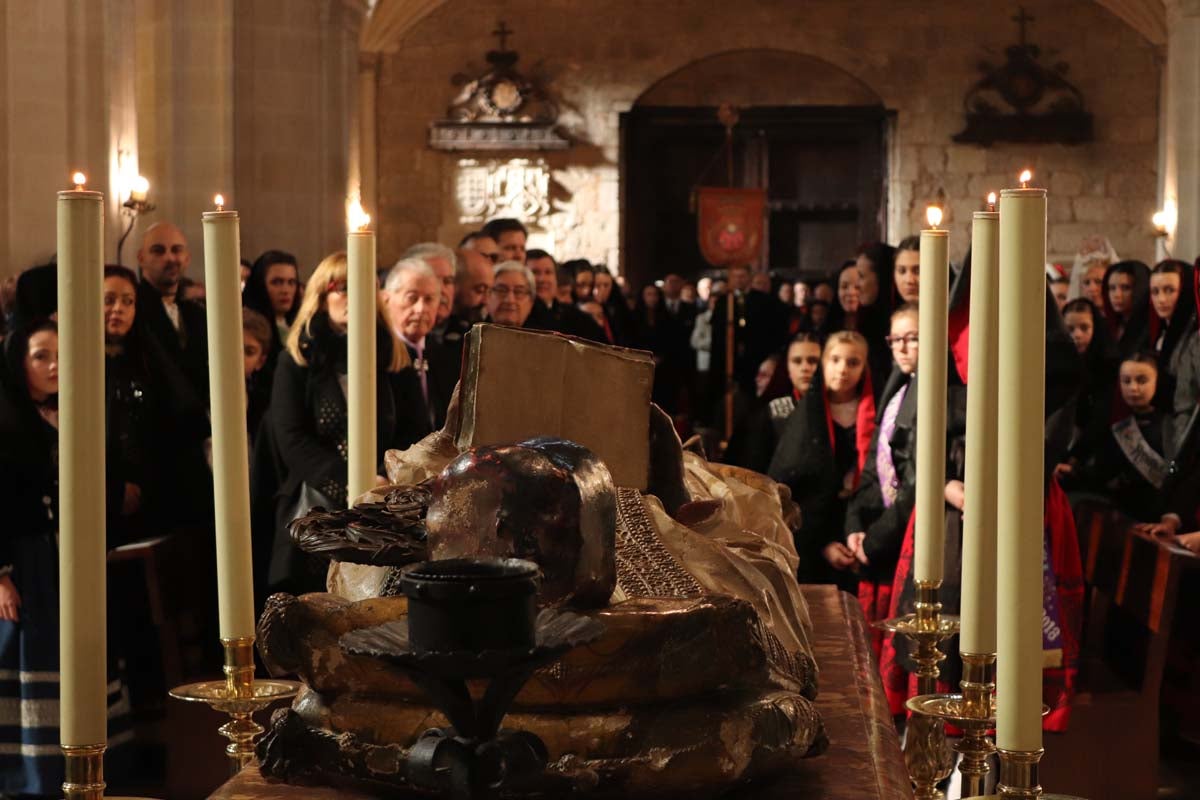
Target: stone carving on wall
[
  {"x": 1023, "y": 100},
  {"x": 499, "y": 110},
  {"x": 518, "y": 187}
]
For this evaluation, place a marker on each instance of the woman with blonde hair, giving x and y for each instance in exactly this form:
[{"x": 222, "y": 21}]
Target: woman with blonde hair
[
  {"x": 302, "y": 446},
  {"x": 821, "y": 453}
]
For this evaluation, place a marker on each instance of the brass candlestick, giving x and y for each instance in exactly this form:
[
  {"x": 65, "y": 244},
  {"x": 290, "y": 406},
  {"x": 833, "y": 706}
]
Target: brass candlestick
[
  {"x": 239, "y": 696},
  {"x": 83, "y": 772},
  {"x": 973, "y": 711},
  {"x": 925, "y": 752},
  {"x": 1019, "y": 778}
]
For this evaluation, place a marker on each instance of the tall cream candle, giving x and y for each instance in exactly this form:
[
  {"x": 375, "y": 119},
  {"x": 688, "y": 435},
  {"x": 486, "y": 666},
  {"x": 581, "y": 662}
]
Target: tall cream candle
[
  {"x": 83, "y": 698},
  {"x": 361, "y": 368},
  {"x": 978, "y": 620},
  {"x": 930, "y": 546},
  {"x": 227, "y": 396},
  {"x": 1022, "y": 359}
]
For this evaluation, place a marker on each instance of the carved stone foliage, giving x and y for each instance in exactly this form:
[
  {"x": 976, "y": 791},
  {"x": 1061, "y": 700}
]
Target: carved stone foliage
[{"x": 1024, "y": 100}]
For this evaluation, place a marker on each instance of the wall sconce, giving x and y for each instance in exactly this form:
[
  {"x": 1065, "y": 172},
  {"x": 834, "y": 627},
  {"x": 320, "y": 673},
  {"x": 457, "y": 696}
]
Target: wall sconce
[{"x": 137, "y": 204}]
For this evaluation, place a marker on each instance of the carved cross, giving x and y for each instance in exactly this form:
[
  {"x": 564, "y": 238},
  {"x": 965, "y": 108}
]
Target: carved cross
[
  {"x": 1022, "y": 19},
  {"x": 502, "y": 33}
]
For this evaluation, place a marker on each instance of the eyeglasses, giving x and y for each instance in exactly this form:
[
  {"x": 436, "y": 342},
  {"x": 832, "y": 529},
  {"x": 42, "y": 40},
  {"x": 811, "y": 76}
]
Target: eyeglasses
[
  {"x": 907, "y": 340},
  {"x": 502, "y": 291}
]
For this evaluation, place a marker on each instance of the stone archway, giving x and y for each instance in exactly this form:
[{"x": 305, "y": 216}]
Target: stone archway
[
  {"x": 738, "y": 74},
  {"x": 811, "y": 134}
]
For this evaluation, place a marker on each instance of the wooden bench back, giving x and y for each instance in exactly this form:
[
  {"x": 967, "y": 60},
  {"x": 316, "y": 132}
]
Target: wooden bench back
[{"x": 1133, "y": 582}]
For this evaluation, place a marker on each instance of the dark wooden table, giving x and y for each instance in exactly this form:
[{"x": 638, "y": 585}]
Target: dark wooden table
[{"x": 863, "y": 760}]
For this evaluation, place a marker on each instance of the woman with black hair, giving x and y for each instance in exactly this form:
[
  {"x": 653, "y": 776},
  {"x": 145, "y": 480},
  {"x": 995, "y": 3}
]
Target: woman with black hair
[
  {"x": 30, "y": 760},
  {"x": 1126, "y": 304},
  {"x": 874, "y": 261},
  {"x": 1094, "y": 403},
  {"x": 273, "y": 290},
  {"x": 148, "y": 402},
  {"x": 1172, "y": 323}
]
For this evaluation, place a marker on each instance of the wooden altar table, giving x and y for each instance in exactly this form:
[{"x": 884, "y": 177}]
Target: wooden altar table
[{"x": 863, "y": 760}]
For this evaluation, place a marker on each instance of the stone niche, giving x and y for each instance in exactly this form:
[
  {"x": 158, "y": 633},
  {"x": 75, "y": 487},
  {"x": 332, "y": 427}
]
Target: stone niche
[{"x": 917, "y": 61}]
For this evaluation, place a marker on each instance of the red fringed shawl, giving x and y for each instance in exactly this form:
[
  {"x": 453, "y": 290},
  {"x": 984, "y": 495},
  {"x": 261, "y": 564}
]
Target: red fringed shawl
[{"x": 1058, "y": 684}]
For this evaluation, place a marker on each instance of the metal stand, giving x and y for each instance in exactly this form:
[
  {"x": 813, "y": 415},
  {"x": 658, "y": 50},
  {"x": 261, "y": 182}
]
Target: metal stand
[
  {"x": 973, "y": 711},
  {"x": 925, "y": 751},
  {"x": 84, "y": 772},
  {"x": 239, "y": 696}
]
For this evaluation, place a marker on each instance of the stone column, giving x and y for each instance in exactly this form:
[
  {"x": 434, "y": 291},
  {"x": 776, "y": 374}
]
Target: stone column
[
  {"x": 368, "y": 131},
  {"x": 1180, "y": 153}
]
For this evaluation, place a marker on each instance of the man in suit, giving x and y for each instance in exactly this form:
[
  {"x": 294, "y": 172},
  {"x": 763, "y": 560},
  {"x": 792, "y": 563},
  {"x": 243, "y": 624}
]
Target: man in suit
[
  {"x": 471, "y": 287},
  {"x": 551, "y": 314},
  {"x": 179, "y": 326},
  {"x": 179, "y": 329},
  {"x": 758, "y": 331},
  {"x": 412, "y": 294}
]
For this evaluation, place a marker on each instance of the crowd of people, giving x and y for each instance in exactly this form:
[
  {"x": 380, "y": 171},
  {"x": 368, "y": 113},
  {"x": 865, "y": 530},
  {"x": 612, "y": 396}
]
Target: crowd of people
[{"x": 820, "y": 394}]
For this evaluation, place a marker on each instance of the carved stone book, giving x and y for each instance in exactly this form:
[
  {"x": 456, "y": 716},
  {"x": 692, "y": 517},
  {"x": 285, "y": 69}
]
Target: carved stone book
[{"x": 517, "y": 384}]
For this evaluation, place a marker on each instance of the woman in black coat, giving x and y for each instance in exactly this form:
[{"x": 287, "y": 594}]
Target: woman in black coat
[
  {"x": 820, "y": 456},
  {"x": 148, "y": 400},
  {"x": 653, "y": 329},
  {"x": 301, "y": 455},
  {"x": 30, "y": 763}
]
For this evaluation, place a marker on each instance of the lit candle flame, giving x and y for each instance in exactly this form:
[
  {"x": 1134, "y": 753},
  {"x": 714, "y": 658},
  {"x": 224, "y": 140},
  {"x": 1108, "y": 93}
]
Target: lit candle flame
[
  {"x": 219, "y": 202},
  {"x": 79, "y": 179},
  {"x": 1025, "y": 178},
  {"x": 991, "y": 201},
  {"x": 356, "y": 218},
  {"x": 933, "y": 214},
  {"x": 140, "y": 184}
]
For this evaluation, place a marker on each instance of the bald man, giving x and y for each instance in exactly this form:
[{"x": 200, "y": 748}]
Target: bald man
[
  {"x": 176, "y": 332},
  {"x": 179, "y": 327},
  {"x": 472, "y": 285}
]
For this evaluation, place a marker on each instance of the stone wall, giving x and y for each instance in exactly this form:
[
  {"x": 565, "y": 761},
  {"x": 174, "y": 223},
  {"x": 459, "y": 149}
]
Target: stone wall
[
  {"x": 917, "y": 58},
  {"x": 255, "y": 100}
]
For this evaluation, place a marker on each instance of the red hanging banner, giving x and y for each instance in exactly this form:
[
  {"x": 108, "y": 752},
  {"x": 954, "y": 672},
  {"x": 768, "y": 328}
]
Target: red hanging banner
[{"x": 730, "y": 224}]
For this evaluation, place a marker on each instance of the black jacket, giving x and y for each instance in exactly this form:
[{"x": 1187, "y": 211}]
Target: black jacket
[
  {"x": 442, "y": 365},
  {"x": 764, "y": 331},
  {"x": 885, "y": 525},
  {"x": 309, "y": 416},
  {"x": 186, "y": 347},
  {"x": 563, "y": 318}
]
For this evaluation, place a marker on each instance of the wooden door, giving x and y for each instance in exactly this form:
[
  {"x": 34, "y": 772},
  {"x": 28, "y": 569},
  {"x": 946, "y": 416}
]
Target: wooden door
[{"x": 823, "y": 169}]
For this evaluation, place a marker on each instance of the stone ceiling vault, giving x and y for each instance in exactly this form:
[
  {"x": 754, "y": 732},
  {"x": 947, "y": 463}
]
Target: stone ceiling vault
[{"x": 391, "y": 20}]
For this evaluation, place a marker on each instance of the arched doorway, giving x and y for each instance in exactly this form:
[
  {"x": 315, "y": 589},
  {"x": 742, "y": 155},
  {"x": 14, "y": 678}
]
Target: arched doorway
[{"x": 810, "y": 133}]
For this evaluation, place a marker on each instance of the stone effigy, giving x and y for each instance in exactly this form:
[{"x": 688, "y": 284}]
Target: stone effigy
[{"x": 703, "y": 675}]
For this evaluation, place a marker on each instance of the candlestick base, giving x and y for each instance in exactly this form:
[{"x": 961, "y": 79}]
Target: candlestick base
[
  {"x": 973, "y": 711},
  {"x": 83, "y": 772},
  {"x": 1019, "y": 778},
  {"x": 926, "y": 753},
  {"x": 239, "y": 696}
]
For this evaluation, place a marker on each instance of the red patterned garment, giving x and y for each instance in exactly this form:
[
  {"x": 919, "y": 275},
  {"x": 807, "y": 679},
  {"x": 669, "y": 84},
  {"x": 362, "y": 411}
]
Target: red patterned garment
[{"x": 1058, "y": 683}]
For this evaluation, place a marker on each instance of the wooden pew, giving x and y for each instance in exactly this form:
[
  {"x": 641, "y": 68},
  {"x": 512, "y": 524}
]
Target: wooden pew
[{"x": 1111, "y": 749}]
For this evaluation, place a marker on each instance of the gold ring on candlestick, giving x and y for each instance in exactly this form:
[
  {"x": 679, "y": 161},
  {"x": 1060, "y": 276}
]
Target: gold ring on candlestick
[
  {"x": 974, "y": 711},
  {"x": 926, "y": 753},
  {"x": 1019, "y": 777},
  {"x": 83, "y": 772},
  {"x": 239, "y": 696}
]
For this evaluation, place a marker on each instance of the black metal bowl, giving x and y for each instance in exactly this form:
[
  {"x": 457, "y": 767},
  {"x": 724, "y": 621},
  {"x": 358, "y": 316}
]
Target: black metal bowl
[{"x": 471, "y": 604}]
